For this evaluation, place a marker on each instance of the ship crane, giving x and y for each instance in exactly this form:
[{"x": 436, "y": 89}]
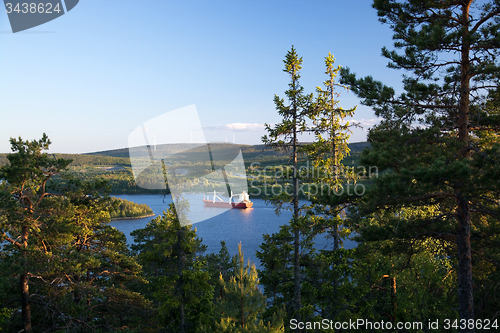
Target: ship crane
[{"x": 242, "y": 202}]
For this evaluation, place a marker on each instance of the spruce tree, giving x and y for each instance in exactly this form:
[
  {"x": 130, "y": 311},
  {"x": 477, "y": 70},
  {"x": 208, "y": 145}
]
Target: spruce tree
[
  {"x": 276, "y": 273},
  {"x": 329, "y": 148},
  {"x": 285, "y": 136},
  {"x": 218, "y": 265},
  {"x": 429, "y": 141},
  {"x": 172, "y": 257}
]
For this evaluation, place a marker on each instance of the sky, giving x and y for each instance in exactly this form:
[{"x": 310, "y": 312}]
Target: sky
[{"x": 93, "y": 75}]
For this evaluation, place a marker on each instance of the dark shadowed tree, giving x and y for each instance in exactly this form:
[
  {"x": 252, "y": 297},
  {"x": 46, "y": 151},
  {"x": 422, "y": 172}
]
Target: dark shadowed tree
[
  {"x": 430, "y": 139},
  {"x": 63, "y": 267},
  {"x": 179, "y": 281}
]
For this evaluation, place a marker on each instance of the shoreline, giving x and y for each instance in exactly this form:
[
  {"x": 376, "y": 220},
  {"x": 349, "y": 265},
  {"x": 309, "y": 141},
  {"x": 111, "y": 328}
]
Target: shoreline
[{"x": 131, "y": 218}]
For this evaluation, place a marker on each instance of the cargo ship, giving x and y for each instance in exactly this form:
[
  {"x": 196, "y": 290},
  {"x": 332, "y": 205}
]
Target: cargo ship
[{"x": 241, "y": 201}]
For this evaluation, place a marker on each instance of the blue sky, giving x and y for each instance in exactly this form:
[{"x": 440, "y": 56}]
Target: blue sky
[{"x": 91, "y": 76}]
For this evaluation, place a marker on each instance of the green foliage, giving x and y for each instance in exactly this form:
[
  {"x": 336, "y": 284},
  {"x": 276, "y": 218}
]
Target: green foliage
[
  {"x": 277, "y": 273},
  {"x": 122, "y": 208},
  {"x": 327, "y": 152},
  {"x": 294, "y": 115},
  {"x": 114, "y": 167},
  {"x": 179, "y": 283},
  {"x": 5, "y": 314},
  {"x": 242, "y": 303},
  {"x": 373, "y": 282},
  {"x": 437, "y": 142},
  {"x": 284, "y": 135},
  {"x": 428, "y": 224},
  {"x": 331, "y": 132},
  {"x": 63, "y": 266},
  {"x": 219, "y": 265}
]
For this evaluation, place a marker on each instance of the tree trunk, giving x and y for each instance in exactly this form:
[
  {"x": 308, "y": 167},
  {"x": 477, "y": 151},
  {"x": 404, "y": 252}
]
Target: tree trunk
[
  {"x": 336, "y": 238},
  {"x": 394, "y": 300},
  {"x": 465, "y": 281},
  {"x": 242, "y": 314},
  {"x": 335, "y": 166},
  {"x": 181, "y": 264},
  {"x": 465, "y": 284},
  {"x": 25, "y": 291},
  {"x": 296, "y": 231},
  {"x": 296, "y": 274},
  {"x": 182, "y": 319},
  {"x": 25, "y": 304}
]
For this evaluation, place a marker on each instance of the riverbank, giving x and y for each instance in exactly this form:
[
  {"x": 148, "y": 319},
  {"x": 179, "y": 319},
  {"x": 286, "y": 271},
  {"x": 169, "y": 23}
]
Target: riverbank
[{"x": 131, "y": 218}]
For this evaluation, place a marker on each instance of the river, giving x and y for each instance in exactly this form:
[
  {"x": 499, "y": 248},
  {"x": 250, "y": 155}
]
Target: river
[{"x": 233, "y": 226}]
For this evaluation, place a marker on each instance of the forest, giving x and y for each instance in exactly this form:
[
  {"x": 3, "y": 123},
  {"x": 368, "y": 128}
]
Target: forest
[
  {"x": 261, "y": 164},
  {"x": 427, "y": 223},
  {"x": 121, "y": 208}
]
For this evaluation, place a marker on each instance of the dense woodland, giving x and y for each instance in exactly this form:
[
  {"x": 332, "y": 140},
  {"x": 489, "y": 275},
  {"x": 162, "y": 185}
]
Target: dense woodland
[
  {"x": 427, "y": 227},
  {"x": 121, "y": 208}
]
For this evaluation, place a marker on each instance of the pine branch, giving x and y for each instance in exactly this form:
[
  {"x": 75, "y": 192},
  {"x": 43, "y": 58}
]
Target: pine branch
[
  {"x": 484, "y": 19},
  {"x": 12, "y": 241}
]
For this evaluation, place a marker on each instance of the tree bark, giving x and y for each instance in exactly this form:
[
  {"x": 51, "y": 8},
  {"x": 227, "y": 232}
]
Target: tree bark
[
  {"x": 25, "y": 291},
  {"x": 394, "y": 299},
  {"x": 465, "y": 280},
  {"x": 25, "y": 304},
  {"x": 335, "y": 167},
  {"x": 181, "y": 264},
  {"x": 242, "y": 313}
]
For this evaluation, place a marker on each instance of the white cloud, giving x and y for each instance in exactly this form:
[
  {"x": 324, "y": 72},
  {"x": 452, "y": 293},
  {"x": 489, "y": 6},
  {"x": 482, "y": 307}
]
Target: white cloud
[
  {"x": 237, "y": 127},
  {"x": 256, "y": 127},
  {"x": 366, "y": 123}
]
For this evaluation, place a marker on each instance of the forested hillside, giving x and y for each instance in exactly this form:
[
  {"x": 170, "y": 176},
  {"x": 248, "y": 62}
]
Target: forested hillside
[{"x": 115, "y": 167}]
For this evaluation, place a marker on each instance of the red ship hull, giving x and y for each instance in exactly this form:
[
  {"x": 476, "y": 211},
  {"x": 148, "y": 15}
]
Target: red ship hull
[{"x": 222, "y": 204}]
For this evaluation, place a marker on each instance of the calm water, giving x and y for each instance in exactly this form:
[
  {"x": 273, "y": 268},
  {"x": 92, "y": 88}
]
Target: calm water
[{"x": 233, "y": 226}]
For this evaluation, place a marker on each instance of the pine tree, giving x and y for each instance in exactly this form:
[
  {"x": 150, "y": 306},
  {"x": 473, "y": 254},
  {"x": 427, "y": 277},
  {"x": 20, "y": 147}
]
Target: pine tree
[
  {"x": 72, "y": 270},
  {"x": 429, "y": 140},
  {"x": 242, "y": 304}
]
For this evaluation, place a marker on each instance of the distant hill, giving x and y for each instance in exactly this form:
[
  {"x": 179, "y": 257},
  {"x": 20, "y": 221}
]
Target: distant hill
[
  {"x": 122, "y": 152},
  {"x": 358, "y": 147},
  {"x": 250, "y": 151},
  {"x": 115, "y": 165},
  {"x": 220, "y": 152}
]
